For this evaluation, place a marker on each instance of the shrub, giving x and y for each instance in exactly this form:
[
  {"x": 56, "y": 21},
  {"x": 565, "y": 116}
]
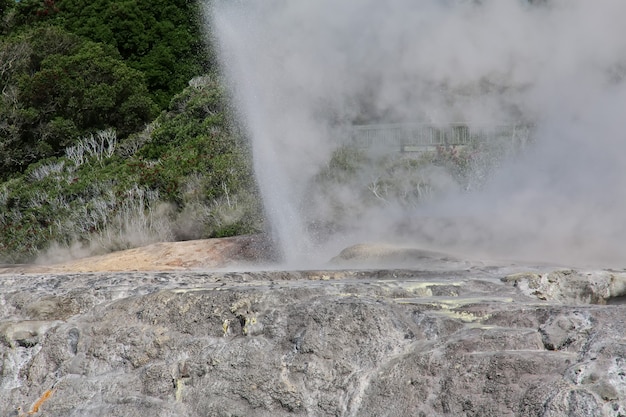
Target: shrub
[
  {"x": 162, "y": 39},
  {"x": 60, "y": 87},
  {"x": 186, "y": 176}
]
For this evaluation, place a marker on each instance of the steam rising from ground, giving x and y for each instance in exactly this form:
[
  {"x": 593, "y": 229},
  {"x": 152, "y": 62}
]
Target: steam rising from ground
[{"x": 303, "y": 70}]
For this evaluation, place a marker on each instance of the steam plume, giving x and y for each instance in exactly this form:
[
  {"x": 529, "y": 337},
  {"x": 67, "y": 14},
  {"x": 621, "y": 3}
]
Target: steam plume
[{"x": 303, "y": 70}]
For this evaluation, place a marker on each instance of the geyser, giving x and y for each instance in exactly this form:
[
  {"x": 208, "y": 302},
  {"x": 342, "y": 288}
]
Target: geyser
[{"x": 303, "y": 72}]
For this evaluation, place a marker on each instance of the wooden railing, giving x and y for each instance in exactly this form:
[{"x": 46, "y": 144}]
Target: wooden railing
[{"x": 415, "y": 137}]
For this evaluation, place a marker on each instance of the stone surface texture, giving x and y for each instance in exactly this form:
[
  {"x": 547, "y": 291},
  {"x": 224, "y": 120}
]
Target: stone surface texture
[{"x": 442, "y": 337}]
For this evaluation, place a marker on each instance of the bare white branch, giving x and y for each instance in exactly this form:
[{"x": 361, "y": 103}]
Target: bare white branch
[
  {"x": 99, "y": 146},
  {"x": 44, "y": 171}
]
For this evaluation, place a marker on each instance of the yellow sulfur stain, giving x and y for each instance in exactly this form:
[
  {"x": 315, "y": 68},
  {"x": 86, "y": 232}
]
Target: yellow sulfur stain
[
  {"x": 46, "y": 395},
  {"x": 180, "y": 384},
  {"x": 464, "y": 316},
  {"x": 249, "y": 321}
]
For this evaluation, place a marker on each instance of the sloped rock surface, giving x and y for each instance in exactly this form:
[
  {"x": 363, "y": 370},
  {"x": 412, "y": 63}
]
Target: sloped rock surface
[
  {"x": 478, "y": 341},
  {"x": 166, "y": 256}
]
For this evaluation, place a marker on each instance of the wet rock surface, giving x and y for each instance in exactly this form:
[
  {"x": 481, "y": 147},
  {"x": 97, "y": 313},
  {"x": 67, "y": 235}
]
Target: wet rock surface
[{"x": 457, "y": 340}]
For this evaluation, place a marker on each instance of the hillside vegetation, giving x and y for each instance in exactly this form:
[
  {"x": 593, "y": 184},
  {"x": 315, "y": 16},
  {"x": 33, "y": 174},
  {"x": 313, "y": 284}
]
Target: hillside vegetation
[{"x": 115, "y": 130}]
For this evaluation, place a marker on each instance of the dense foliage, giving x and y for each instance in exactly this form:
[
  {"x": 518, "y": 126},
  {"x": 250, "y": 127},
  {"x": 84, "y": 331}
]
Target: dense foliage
[
  {"x": 104, "y": 141},
  {"x": 58, "y": 87},
  {"x": 355, "y": 182},
  {"x": 160, "y": 38},
  {"x": 185, "y": 176}
]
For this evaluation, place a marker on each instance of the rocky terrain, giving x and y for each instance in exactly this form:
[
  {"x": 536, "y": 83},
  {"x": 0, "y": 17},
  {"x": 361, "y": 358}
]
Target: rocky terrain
[{"x": 158, "y": 334}]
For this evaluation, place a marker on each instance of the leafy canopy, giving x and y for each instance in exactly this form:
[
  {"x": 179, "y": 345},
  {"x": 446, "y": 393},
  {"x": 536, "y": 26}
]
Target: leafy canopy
[
  {"x": 59, "y": 86},
  {"x": 161, "y": 38}
]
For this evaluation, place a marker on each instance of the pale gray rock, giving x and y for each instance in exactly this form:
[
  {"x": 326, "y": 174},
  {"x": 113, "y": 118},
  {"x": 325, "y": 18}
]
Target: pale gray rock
[
  {"x": 568, "y": 285},
  {"x": 458, "y": 340}
]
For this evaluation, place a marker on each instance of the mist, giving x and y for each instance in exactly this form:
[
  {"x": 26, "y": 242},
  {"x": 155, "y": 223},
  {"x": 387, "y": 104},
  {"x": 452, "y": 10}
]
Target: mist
[{"x": 302, "y": 72}]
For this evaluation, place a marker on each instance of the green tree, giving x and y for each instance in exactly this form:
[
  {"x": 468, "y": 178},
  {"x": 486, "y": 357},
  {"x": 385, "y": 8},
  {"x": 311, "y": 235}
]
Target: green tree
[
  {"x": 161, "y": 38},
  {"x": 196, "y": 142},
  {"x": 5, "y": 7},
  {"x": 32, "y": 12},
  {"x": 60, "y": 86},
  {"x": 91, "y": 87},
  {"x": 188, "y": 175}
]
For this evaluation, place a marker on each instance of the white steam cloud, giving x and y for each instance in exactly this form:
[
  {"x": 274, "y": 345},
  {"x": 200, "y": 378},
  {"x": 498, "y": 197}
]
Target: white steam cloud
[{"x": 301, "y": 70}]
